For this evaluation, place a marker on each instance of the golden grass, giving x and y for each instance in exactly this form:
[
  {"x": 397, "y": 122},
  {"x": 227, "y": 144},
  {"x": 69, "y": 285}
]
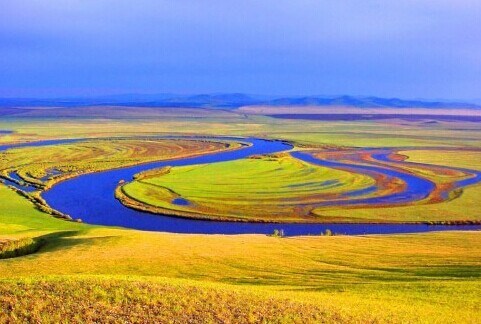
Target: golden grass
[
  {"x": 388, "y": 278},
  {"x": 35, "y": 164},
  {"x": 20, "y": 247},
  {"x": 453, "y": 158},
  {"x": 107, "y": 300}
]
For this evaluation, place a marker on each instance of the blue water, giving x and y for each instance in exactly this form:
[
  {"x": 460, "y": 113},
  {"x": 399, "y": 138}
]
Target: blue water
[
  {"x": 51, "y": 173},
  {"x": 91, "y": 198},
  {"x": 416, "y": 188},
  {"x": 39, "y": 143},
  {"x": 23, "y": 186},
  {"x": 181, "y": 202},
  {"x": 15, "y": 176},
  {"x": 474, "y": 179},
  {"x": 18, "y": 186}
]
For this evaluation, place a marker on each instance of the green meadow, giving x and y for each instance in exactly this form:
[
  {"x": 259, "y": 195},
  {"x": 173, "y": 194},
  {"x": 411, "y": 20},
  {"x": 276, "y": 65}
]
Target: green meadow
[
  {"x": 267, "y": 188},
  {"x": 55, "y": 270}
]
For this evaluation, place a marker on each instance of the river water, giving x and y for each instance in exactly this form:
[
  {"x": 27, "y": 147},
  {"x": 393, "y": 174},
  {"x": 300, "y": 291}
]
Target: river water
[{"x": 90, "y": 197}]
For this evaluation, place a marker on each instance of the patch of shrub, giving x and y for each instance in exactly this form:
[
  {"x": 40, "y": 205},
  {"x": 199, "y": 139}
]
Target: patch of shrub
[
  {"x": 278, "y": 233},
  {"x": 327, "y": 232},
  {"x": 16, "y": 248}
]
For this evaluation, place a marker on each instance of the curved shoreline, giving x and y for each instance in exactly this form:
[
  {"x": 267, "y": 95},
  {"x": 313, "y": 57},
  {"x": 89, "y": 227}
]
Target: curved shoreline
[
  {"x": 34, "y": 191},
  {"x": 416, "y": 189},
  {"x": 90, "y": 197},
  {"x": 131, "y": 203},
  {"x": 68, "y": 176}
]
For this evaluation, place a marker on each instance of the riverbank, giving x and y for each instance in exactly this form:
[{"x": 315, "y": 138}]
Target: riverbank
[
  {"x": 387, "y": 278},
  {"x": 86, "y": 189},
  {"x": 87, "y": 271}
]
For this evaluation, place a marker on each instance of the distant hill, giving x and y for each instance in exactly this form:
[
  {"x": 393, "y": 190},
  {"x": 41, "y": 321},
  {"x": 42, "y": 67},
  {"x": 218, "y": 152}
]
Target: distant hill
[
  {"x": 231, "y": 101},
  {"x": 234, "y": 100},
  {"x": 367, "y": 102}
]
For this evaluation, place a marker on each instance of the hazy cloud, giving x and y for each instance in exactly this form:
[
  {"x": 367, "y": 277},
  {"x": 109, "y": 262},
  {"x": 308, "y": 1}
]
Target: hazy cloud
[{"x": 422, "y": 48}]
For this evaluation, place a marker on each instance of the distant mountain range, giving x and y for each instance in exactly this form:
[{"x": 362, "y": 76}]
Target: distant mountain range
[{"x": 231, "y": 101}]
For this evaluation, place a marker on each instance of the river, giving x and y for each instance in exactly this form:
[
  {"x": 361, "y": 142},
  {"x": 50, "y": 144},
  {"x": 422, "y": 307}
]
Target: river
[{"x": 90, "y": 197}]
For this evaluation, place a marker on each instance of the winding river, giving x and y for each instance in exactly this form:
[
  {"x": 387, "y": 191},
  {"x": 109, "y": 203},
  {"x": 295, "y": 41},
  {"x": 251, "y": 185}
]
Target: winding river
[{"x": 90, "y": 197}]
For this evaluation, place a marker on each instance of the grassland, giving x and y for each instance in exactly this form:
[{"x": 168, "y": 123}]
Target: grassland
[
  {"x": 429, "y": 277},
  {"x": 282, "y": 188},
  {"x": 465, "y": 207},
  {"x": 264, "y": 188},
  {"x": 144, "y": 121},
  {"x": 43, "y": 166},
  {"x": 103, "y": 299},
  {"x": 91, "y": 273}
]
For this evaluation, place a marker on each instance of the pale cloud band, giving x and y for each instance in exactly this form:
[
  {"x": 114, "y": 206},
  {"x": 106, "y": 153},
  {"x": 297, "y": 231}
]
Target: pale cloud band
[{"x": 387, "y": 48}]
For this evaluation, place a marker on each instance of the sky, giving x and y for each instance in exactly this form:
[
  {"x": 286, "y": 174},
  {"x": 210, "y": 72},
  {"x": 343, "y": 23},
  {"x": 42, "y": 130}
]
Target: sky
[{"x": 407, "y": 49}]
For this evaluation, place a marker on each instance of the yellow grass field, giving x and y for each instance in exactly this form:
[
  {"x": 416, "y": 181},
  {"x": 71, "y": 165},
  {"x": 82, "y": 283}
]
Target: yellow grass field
[{"x": 419, "y": 277}]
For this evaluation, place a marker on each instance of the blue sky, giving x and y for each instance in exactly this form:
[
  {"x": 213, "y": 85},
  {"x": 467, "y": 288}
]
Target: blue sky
[{"x": 410, "y": 49}]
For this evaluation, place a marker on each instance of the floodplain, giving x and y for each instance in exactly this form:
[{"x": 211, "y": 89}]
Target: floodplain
[{"x": 54, "y": 268}]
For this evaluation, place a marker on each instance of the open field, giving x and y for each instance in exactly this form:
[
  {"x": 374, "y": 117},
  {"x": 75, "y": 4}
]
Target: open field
[
  {"x": 350, "y": 110},
  {"x": 428, "y": 277},
  {"x": 267, "y": 188},
  {"x": 43, "y": 166},
  {"x": 395, "y": 132},
  {"x": 282, "y": 188},
  {"x": 102, "y": 299},
  {"x": 86, "y": 273}
]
